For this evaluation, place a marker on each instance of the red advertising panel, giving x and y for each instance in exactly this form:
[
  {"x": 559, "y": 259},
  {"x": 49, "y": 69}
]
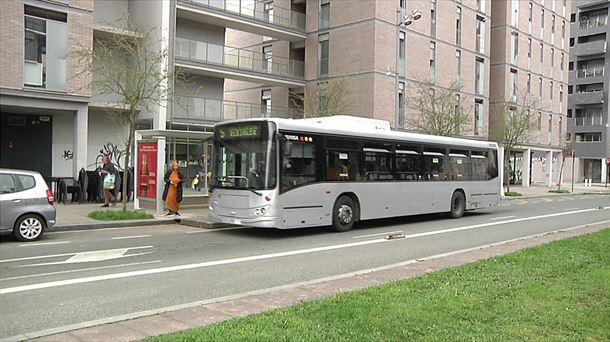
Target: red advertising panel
[{"x": 147, "y": 169}]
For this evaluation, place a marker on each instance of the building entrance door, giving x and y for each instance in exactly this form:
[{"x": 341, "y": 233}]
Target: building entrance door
[
  {"x": 593, "y": 170},
  {"x": 26, "y": 142}
]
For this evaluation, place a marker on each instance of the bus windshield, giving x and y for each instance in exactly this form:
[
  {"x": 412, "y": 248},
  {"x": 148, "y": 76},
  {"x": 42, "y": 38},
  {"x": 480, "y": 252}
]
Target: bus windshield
[{"x": 245, "y": 157}]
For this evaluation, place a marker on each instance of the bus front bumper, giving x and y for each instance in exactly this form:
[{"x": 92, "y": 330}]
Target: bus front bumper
[{"x": 260, "y": 222}]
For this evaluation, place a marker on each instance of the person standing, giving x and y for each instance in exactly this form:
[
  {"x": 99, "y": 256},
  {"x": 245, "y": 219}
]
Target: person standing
[
  {"x": 172, "y": 193},
  {"x": 107, "y": 174}
]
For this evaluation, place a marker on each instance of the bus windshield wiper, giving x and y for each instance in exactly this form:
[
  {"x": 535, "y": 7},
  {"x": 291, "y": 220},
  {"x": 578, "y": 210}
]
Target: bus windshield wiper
[{"x": 254, "y": 191}]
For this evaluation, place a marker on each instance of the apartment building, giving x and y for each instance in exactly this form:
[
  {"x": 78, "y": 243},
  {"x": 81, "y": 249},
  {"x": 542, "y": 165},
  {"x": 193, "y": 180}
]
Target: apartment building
[
  {"x": 588, "y": 128},
  {"x": 529, "y": 57},
  {"x": 53, "y": 123},
  {"x": 381, "y": 62}
]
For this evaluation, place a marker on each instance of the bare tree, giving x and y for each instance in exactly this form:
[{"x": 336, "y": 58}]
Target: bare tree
[
  {"x": 323, "y": 99},
  {"x": 130, "y": 65},
  {"x": 440, "y": 112},
  {"x": 514, "y": 120}
]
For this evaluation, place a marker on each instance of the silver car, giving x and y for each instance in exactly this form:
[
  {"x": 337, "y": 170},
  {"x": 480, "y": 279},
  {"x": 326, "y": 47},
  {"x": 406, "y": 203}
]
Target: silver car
[{"x": 26, "y": 204}]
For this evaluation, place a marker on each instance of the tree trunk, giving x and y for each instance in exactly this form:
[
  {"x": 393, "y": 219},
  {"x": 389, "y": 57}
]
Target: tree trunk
[
  {"x": 507, "y": 169},
  {"x": 127, "y": 158},
  {"x": 563, "y": 160}
]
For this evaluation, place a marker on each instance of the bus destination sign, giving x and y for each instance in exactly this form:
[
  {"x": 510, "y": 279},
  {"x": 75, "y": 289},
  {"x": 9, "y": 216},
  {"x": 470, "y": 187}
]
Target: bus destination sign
[{"x": 239, "y": 132}]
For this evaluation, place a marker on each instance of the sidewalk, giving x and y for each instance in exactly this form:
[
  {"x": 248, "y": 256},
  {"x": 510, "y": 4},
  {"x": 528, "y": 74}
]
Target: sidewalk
[
  {"x": 539, "y": 190},
  {"x": 181, "y": 317}
]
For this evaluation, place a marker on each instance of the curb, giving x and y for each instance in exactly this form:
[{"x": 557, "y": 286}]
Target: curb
[
  {"x": 113, "y": 224},
  {"x": 510, "y": 198},
  {"x": 203, "y": 224}
]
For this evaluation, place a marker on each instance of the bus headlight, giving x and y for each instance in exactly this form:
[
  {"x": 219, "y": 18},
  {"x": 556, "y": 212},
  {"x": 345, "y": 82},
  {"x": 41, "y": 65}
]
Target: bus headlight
[{"x": 260, "y": 211}]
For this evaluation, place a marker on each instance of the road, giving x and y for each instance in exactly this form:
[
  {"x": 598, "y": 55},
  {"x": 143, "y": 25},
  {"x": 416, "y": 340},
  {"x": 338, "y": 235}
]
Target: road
[{"x": 80, "y": 278}]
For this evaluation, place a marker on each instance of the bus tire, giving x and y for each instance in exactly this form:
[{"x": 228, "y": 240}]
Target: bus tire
[
  {"x": 344, "y": 214},
  {"x": 458, "y": 204}
]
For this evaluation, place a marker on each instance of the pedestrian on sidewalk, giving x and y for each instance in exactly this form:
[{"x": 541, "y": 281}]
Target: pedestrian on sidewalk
[
  {"x": 107, "y": 173},
  {"x": 172, "y": 193}
]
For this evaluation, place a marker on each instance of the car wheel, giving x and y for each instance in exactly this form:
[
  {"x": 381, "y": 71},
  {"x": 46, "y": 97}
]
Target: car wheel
[
  {"x": 343, "y": 214},
  {"x": 29, "y": 228},
  {"x": 458, "y": 204}
]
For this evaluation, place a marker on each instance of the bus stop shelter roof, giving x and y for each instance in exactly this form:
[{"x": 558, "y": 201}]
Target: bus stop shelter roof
[{"x": 170, "y": 133}]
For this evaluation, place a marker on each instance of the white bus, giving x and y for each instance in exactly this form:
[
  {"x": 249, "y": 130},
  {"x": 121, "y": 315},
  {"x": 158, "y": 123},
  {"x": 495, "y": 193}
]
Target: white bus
[{"x": 335, "y": 171}]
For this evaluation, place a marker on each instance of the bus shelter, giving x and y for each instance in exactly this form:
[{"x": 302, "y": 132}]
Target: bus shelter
[{"x": 155, "y": 150}]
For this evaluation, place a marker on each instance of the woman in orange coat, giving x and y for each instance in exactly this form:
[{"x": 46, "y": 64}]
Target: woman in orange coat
[{"x": 172, "y": 193}]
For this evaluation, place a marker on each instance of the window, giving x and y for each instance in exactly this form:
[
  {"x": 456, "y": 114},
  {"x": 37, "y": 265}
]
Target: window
[
  {"x": 324, "y": 19},
  {"x": 529, "y": 53},
  {"x": 458, "y": 66},
  {"x": 378, "y": 163},
  {"x": 433, "y": 164},
  {"x": 513, "y": 85},
  {"x": 560, "y": 128},
  {"x": 542, "y": 24},
  {"x": 588, "y": 137},
  {"x": 478, "y": 162},
  {"x": 408, "y": 163},
  {"x": 7, "y": 184},
  {"x": 550, "y": 135},
  {"x": 553, "y": 28},
  {"x": 563, "y": 11},
  {"x": 433, "y": 18},
  {"x": 479, "y": 113},
  {"x": 529, "y": 84},
  {"x": 268, "y": 12},
  {"x": 45, "y": 49},
  {"x": 529, "y": 17},
  {"x": 401, "y": 54},
  {"x": 514, "y": 47},
  {"x": 479, "y": 74},
  {"x": 481, "y": 5},
  {"x": 541, "y": 58},
  {"x": 268, "y": 58},
  {"x": 458, "y": 105},
  {"x": 563, "y": 33},
  {"x": 342, "y": 165},
  {"x": 480, "y": 43},
  {"x": 561, "y": 98},
  {"x": 588, "y": 117},
  {"x": 514, "y": 13},
  {"x": 432, "y": 62},
  {"x": 299, "y": 167},
  {"x": 401, "y": 104},
  {"x": 540, "y": 87},
  {"x": 27, "y": 182},
  {"x": 552, "y": 61},
  {"x": 551, "y": 90},
  {"x": 266, "y": 102},
  {"x": 539, "y": 126},
  {"x": 323, "y": 52},
  {"x": 458, "y": 27},
  {"x": 459, "y": 165}
]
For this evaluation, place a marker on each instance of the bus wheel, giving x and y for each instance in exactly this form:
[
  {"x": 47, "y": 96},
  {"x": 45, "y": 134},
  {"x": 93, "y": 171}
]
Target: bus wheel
[
  {"x": 343, "y": 214},
  {"x": 458, "y": 204}
]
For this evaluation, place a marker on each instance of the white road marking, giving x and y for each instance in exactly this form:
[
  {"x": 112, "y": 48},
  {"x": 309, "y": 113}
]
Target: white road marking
[
  {"x": 571, "y": 209},
  {"x": 130, "y": 237},
  {"x": 44, "y": 243},
  {"x": 267, "y": 256},
  {"x": 133, "y": 315},
  {"x": 63, "y": 254},
  {"x": 196, "y": 231},
  {"x": 82, "y": 270},
  {"x": 502, "y": 218},
  {"x": 378, "y": 234}
]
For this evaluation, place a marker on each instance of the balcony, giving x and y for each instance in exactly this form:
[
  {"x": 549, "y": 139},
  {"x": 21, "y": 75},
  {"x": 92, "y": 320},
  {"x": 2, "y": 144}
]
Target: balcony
[
  {"x": 246, "y": 15},
  {"x": 591, "y": 22},
  {"x": 197, "y": 109},
  {"x": 590, "y": 48},
  {"x": 586, "y": 98},
  {"x": 240, "y": 64}
]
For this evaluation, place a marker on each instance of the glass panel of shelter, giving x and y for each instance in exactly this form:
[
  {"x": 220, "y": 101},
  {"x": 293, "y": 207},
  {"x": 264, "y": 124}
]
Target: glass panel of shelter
[{"x": 193, "y": 160}]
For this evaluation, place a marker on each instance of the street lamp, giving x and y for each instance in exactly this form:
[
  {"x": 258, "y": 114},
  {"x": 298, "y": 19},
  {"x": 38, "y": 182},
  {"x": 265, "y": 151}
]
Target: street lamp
[{"x": 403, "y": 20}]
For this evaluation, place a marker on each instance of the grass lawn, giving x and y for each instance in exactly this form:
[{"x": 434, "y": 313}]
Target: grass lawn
[
  {"x": 512, "y": 193},
  {"x": 112, "y": 215},
  {"x": 560, "y": 191},
  {"x": 558, "y": 291}
]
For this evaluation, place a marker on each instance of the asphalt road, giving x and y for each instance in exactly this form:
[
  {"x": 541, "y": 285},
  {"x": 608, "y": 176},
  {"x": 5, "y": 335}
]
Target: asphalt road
[{"x": 78, "y": 278}]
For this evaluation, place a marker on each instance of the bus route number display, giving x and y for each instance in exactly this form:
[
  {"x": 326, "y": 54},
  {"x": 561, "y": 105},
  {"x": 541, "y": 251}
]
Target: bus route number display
[{"x": 239, "y": 132}]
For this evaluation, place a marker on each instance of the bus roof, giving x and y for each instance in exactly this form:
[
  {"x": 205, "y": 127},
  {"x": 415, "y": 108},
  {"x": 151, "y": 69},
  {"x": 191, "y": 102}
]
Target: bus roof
[{"x": 354, "y": 126}]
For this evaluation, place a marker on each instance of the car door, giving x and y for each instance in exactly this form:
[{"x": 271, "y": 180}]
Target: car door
[{"x": 9, "y": 201}]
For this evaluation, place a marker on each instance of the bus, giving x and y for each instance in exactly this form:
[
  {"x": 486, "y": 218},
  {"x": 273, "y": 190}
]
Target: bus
[{"x": 335, "y": 171}]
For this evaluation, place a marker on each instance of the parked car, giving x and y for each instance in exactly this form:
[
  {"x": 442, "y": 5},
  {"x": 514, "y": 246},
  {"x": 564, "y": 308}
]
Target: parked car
[{"x": 26, "y": 204}]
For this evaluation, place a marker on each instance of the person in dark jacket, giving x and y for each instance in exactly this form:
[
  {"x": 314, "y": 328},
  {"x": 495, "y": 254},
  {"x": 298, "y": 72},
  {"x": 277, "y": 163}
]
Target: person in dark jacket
[
  {"x": 172, "y": 193},
  {"x": 108, "y": 169}
]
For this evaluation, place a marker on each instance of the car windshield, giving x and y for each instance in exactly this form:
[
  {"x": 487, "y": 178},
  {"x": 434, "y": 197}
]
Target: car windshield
[{"x": 242, "y": 162}]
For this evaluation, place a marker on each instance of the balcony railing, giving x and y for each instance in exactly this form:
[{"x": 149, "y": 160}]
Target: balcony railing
[
  {"x": 258, "y": 10},
  {"x": 202, "y": 52},
  {"x": 589, "y": 120},
  {"x": 594, "y": 21},
  {"x": 210, "y": 110},
  {"x": 591, "y": 72}
]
